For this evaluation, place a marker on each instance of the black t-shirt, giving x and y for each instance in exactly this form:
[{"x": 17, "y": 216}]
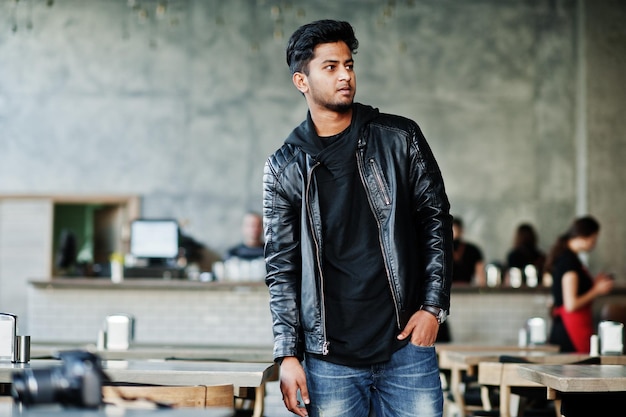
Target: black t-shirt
[
  {"x": 569, "y": 262},
  {"x": 523, "y": 256},
  {"x": 360, "y": 317},
  {"x": 520, "y": 257},
  {"x": 466, "y": 256},
  {"x": 245, "y": 252}
]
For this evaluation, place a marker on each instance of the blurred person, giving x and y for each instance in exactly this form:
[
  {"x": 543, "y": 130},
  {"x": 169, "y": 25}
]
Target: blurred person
[
  {"x": 469, "y": 265},
  {"x": 525, "y": 250},
  {"x": 252, "y": 233},
  {"x": 573, "y": 287},
  {"x": 358, "y": 246}
]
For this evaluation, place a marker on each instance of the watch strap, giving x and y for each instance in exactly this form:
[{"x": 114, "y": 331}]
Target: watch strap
[{"x": 438, "y": 312}]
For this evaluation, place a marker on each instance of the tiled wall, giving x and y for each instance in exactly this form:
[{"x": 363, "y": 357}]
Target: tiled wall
[
  {"x": 239, "y": 316},
  {"x": 494, "y": 317}
]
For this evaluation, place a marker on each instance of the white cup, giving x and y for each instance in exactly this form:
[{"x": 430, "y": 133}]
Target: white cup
[{"x": 611, "y": 334}]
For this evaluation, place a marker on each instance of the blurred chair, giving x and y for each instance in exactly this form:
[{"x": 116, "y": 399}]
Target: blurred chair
[
  {"x": 174, "y": 396},
  {"x": 220, "y": 396}
]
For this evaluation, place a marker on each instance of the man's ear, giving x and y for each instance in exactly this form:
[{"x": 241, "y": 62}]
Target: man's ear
[{"x": 300, "y": 81}]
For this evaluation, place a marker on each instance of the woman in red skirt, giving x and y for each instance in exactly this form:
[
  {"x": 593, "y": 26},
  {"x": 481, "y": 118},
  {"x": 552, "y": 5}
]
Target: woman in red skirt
[{"x": 574, "y": 288}]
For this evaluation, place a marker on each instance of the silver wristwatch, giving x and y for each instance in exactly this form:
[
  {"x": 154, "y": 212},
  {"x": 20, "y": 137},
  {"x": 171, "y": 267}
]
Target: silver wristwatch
[{"x": 438, "y": 312}]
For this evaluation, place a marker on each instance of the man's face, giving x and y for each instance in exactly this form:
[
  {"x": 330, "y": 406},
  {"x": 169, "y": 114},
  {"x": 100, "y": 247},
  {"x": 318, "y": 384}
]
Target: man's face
[
  {"x": 457, "y": 232},
  {"x": 331, "y": 81},
  {"x": 252, "y": 229}
]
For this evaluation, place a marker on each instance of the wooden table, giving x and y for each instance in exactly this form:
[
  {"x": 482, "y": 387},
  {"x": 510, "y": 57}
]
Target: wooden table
[
  {"x": 183, "y": 373},
  {"x": 576, "y": 378},
  {"x": 161, "y": 372},
  {"x": 145, "y": 351},
  {"x": 179, "y": 352},
  {"x": 8, "y": 409},
  {"x": 445, "y": 349},
  {"x": 584, "y": 390},
  {"x": 506, "y": 375},
  {"x": 465, "y": 359}
]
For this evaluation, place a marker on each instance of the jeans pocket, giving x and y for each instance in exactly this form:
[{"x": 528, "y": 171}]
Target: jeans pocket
[{"x": 421, "y": 347}]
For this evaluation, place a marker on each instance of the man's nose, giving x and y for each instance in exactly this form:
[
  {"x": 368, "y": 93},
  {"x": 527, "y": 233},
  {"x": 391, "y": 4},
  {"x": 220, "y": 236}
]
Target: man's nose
[{"x": 344, "y": 74}]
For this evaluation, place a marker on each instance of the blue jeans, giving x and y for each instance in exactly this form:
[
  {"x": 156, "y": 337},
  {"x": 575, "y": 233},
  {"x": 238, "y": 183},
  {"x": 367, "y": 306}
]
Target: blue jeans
[{"x": 408, "y": 385}]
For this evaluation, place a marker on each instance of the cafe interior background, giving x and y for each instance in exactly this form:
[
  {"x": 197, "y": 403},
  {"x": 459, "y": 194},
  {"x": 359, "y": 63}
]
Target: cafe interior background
[{"x": 117, "y": 109}]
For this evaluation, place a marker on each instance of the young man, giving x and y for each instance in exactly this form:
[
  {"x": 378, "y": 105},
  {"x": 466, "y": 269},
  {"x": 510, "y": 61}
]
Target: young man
[
  {"x": 358, "y": 246},
  {"x": 468, "y": 266},
  {"x": 252, "y": 245}
]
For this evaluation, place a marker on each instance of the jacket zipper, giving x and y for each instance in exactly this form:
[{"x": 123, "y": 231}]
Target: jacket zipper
[
  {"x": 326, "y": 343},
  {"x": 387, "y": 199},
  {"x": 379, "y": 181}
]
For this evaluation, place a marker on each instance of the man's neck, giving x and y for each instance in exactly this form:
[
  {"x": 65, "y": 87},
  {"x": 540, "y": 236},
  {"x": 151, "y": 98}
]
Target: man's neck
[
  {"x": 329, "y": 123},
  {"x": 253, "y": 243}
]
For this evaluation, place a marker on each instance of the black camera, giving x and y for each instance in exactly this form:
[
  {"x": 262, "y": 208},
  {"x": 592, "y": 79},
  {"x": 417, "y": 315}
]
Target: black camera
[{"x": 76, "y": 382}]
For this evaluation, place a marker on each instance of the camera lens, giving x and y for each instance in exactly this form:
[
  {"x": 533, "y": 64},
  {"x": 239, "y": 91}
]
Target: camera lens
[
  {"x": 77, "y": 382},
  {"x": 34, "y": 386}
]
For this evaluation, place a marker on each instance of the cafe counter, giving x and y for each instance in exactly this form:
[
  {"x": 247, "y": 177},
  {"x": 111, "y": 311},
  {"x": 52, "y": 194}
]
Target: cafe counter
[
  {"x": 97, "y": 284},
  {"x": 178, "y": 312},
  {"x": 187, "y": 312}
]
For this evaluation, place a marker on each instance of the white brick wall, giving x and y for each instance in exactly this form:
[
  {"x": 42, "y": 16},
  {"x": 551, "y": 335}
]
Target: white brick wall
[
  {"x": 494, "y": 317},
  {"x": 240, "y": 315},
  {"x": 162, "y": 316}
]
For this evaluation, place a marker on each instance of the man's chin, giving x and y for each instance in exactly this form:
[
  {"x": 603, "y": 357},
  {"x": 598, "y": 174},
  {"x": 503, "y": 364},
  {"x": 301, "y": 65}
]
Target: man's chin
[{"x": 340, "y": 107}]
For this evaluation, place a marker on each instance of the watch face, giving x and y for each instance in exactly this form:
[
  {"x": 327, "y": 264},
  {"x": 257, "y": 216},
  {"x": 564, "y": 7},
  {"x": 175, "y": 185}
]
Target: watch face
[{"x": 442, "y": 316}]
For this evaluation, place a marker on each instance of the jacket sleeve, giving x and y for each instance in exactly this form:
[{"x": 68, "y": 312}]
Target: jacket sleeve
[
  {"x": 283, "y": 264},
  {"x": 434, "y": 223}
]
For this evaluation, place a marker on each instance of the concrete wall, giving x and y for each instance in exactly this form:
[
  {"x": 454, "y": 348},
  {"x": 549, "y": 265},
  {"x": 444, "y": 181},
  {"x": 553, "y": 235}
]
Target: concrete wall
[
  {"x": 605, "y": 110},
  {"x": 183, "y": 109}
]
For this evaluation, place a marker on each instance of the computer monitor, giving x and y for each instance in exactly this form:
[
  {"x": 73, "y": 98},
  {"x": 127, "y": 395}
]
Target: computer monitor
[{"x": 155, "y": 240}]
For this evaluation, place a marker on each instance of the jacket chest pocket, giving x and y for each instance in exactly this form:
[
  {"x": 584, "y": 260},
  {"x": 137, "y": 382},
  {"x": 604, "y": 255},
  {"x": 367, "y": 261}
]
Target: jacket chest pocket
[{"x": 379, "y": 180}]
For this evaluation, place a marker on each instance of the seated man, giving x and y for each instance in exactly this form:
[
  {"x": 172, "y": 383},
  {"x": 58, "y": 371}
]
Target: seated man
[
  {"x": 469, "y": 266},
  {"x": 252, "y": 245}
]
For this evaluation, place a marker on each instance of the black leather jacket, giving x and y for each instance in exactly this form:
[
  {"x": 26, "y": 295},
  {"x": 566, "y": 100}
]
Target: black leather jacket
[{"x": 405, "y": 189}]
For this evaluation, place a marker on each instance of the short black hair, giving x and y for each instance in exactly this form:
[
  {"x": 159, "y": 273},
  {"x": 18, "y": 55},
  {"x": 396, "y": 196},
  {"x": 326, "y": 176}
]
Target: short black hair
[
  {"x": 457, "y": 221},
  {"x": 304, "y": 40}
]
